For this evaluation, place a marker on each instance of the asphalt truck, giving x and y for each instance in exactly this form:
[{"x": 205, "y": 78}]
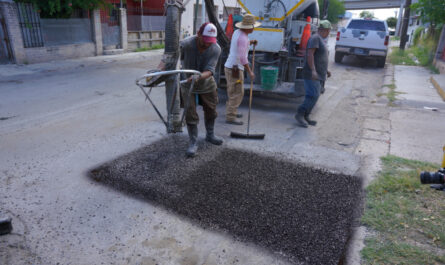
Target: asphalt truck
[{"x": 279, "y": 55}]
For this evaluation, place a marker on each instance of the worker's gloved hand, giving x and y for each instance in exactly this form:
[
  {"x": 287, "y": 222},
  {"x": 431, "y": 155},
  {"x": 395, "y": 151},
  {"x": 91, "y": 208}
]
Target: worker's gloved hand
[
  {"x": 254, "y": 42},
  {"x": 154, "y": 80},
  {"x": 189, "y": 80}
]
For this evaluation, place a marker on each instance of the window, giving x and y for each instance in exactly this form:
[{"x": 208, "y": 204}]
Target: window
[{"x": 367, "y": 25}]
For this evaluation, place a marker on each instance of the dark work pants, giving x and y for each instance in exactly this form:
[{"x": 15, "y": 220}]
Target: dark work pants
[
  {"x": 208, "y": 102},
  {"x": 312, "y": 89}
]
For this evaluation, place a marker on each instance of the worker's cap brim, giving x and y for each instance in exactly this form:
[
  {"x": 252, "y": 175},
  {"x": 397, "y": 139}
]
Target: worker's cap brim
[{"x": 208, "y": 39}]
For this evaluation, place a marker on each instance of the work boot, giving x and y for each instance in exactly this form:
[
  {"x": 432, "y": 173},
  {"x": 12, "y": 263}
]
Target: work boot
[
  {"x": 300, "y": 120},
  {"x": 309, "y": 121},
  {"x": 193, "y": 143},
  {"x": 177, "y": 126},
  {"x": 234, "y": 122},
  {"x": 210, "y": 137}
]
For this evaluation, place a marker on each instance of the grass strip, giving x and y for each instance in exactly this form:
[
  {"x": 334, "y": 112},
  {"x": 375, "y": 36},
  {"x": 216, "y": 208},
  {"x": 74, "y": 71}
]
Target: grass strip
[
  {"x": 154, "y": 47},
  {"x": 406, "y": 216}
]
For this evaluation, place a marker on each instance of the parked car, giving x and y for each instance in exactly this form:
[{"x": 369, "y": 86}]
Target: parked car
[{"x": 363, "y": 38}]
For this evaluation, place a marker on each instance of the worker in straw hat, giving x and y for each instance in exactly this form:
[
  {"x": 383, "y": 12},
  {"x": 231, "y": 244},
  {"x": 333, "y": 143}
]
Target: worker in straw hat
[{"x": 235, "y": 66}]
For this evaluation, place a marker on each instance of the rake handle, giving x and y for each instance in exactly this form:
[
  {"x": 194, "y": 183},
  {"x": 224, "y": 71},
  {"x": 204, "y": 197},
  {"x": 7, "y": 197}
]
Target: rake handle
[{"x": 251, "y": 89}]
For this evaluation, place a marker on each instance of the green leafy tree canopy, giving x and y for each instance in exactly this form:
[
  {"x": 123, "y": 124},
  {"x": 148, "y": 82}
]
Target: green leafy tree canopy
[
  {"x": 392, "y": 22},
  {"x": 62, "y": 8},
  {"x": 432, "y": 11},
  {"x": 367, "y": 14},
  {"x": 336, "y": 8}
]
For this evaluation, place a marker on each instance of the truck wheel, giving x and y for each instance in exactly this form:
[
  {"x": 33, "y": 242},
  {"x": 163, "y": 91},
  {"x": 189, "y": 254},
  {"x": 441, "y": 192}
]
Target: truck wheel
[
  {"x": 381, "y": 62},
  {"x": 338, "y": 57}
]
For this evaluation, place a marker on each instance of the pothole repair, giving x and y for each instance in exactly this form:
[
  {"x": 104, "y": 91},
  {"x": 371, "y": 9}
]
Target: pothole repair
[{"x": 302, "y": 213}]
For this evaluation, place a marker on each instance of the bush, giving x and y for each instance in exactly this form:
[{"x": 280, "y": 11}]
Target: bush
[{"x": 417, "y": 34}]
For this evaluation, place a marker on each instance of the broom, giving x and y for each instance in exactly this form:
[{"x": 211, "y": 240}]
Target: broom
[{"x": 248, "y": 135}]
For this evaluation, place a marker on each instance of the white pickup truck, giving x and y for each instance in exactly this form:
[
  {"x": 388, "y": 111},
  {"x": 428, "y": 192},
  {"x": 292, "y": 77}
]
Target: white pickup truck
[{"x": 363, "y": 38}]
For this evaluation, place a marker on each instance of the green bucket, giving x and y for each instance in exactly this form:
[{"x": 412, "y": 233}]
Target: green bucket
[{"x": 269, "y": 76}]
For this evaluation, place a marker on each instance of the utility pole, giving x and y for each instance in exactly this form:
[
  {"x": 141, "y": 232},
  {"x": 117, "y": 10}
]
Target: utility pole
[
  {"x": 406, "y": 15},
  {"x": 399, "y": 19},
  {"x": 142, "y": 16},
  {"x": 325, "y": 9}
]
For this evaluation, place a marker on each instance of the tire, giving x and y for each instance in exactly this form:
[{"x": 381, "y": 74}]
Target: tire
[
  {"x": 381, "y": 62},
  {"x": 338, "y": 57}
]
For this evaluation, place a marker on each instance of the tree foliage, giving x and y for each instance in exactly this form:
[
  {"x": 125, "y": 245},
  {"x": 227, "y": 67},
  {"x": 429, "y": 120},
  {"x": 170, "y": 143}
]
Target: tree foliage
[
  {"x": 392, "y": 22},
  {"x": 62, "y": 8},
  {"x": 432, "y": 11},
  {"x": 367, "y": 14},
  {"x": 335, "y": 10}
]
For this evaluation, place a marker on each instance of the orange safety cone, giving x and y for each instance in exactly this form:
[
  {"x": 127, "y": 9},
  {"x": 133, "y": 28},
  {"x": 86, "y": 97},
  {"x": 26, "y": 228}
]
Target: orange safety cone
[
  {"x": 305, "y": 37},
  {"x": 229, "y": 27}
]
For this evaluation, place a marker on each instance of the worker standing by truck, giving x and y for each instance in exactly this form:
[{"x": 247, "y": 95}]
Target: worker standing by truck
[
  {"x": 315, "y": 71},
  {"x": 201, "y": 53},
  {"x": 235, "y": 66}
]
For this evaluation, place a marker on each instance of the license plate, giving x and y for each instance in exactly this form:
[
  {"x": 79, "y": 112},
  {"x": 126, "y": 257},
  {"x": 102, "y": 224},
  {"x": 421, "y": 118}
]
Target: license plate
[{"x": 359, "y": 51}]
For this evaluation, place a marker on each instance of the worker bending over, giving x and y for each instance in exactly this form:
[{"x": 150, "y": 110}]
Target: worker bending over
[
  {"x": 201, "y": 53},
  {"x": 236, "y": 64},
  {"x": 315, "y": 71}
]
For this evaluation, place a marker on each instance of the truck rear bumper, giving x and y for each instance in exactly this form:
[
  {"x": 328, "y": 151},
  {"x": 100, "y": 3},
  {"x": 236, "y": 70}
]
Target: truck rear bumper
[{"x": 360, "y": 51}]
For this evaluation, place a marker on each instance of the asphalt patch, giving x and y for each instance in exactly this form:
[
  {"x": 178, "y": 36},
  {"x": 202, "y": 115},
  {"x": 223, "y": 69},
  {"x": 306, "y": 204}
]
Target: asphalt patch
[{"x": 302, "y": 213}]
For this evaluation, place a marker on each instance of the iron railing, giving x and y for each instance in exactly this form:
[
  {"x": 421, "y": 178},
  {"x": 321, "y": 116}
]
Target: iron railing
[{"x": 29, "y": 21}]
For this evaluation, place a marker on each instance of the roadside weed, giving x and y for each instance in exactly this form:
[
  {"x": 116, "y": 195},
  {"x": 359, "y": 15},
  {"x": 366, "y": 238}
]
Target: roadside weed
[
  {"x": 154, "y": 47},
  {"x": 407, "y": 217}
]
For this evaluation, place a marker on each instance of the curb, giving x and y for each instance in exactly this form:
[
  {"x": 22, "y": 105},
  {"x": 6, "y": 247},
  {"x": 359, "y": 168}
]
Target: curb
[
  {"x": 388, "y": 77},
  {"x": 439, "y": 89}
]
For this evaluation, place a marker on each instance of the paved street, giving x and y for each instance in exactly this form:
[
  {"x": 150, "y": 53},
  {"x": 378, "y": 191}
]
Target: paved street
[{"x": 59, "y": 120}]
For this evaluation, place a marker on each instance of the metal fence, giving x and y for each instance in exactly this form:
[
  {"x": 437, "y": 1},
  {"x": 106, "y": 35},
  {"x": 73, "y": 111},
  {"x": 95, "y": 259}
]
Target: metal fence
[
  {"x": 110, "y": 25},
  {"x": 66, "y": 31},
  {"x": 148, "y": 23},
  {"x": 29, "y": 21}
]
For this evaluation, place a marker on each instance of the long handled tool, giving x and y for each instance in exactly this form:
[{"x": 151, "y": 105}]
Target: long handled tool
[{"x": 248, "y": 135}]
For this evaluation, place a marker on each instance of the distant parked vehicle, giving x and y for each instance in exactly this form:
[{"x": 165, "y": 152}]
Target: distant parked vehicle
[{"x": 363, "y": 38}]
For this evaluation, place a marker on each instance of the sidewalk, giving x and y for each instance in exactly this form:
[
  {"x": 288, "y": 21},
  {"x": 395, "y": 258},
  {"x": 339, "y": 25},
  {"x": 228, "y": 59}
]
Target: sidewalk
[
  {"x": 19, "y": 70},
  {"x": 417, "y": 124}
]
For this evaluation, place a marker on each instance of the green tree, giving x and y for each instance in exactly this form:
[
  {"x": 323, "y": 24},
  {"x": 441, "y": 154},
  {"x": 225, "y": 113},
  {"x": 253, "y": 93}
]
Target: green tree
[
  {"x": 62, "y": 8},
  {"x": 392, "y": 22},
  {"x": 367, "y": 14},
  {"x": 336, "y": 8},
  {"x": 432, "y": 11}
]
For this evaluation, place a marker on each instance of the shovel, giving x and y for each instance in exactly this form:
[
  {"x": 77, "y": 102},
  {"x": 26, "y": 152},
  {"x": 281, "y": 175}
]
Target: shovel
[{"x": 248, "y": 135}]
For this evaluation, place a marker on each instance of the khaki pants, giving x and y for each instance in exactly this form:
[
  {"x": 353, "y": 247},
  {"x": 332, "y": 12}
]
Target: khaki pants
[
  {"x": 208, "y": 102},
  {"x": 235, "y": 93}
]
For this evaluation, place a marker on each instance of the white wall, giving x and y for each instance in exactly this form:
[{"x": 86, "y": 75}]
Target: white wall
[{"x": 187, "y": 16}]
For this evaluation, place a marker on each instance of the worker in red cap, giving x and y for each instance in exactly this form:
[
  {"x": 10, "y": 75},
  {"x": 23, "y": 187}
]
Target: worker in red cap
[{"x": 201, "y": 53}]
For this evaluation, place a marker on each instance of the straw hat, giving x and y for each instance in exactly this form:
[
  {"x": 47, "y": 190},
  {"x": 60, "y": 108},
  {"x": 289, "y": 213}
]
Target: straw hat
[{"x": 248, "y": 22}]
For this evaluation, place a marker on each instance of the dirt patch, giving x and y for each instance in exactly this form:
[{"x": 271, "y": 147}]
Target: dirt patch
[{"x": 299, "y": 212}]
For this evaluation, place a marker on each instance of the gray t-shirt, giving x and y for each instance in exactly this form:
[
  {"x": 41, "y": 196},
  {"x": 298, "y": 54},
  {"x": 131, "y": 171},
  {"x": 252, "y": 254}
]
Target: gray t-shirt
[
  {"x": 320, "y": 58},
  {"x": 192, "y": 59}
]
